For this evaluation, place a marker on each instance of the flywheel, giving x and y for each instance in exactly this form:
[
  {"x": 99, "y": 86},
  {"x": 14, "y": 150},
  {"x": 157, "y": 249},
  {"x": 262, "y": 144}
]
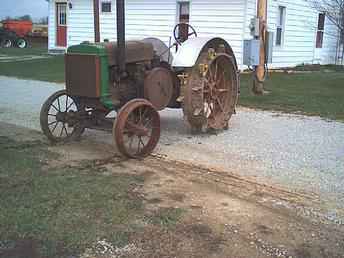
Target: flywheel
[{"x": 159, "y": 87}]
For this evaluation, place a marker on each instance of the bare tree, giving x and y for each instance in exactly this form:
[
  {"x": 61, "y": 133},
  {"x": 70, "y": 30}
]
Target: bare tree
[{"x": 334, "y": 12}]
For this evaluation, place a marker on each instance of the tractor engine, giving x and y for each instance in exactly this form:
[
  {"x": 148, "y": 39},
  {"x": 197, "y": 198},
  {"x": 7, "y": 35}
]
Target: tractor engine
[
  {"x": 92, "y": 72},
  {"x": 139, "y": 56}
]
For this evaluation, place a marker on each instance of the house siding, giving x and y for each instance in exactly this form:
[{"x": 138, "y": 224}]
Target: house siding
[
  {"x": 221, "y": 18},
  {"x": 228, "y": 19},
  {"x": 299, "y": 36},
  {"x": 51, "y": 25},
  {"x": 143, "y": 19}
]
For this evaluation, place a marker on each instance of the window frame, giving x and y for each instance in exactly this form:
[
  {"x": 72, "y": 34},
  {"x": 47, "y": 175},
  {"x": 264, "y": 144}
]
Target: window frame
[
  {"x": 107, "y": 2},
  {"x": 280, "y": 25},
  {"x": 319, "y": 40},
  {"x": 62, "y": 15}
]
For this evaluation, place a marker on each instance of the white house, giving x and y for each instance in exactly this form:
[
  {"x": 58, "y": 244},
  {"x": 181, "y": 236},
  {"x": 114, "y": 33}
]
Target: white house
[{"x": 301, "y": 34}]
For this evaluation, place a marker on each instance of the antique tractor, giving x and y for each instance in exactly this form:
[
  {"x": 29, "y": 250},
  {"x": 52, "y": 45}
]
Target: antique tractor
[{"x": 139, "y": 78}]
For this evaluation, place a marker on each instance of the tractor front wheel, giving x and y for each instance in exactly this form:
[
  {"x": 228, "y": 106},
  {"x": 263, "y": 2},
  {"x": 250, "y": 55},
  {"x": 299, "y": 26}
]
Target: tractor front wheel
[
  {"x": 59, "y": 119},
  {"x": 137, "y": 129}
]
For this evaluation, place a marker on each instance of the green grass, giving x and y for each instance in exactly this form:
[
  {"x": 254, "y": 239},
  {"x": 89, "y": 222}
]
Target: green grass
[
  {"x": 23, "y": 52},
  {"x": 166, "y": 217},
  {"x": 316, "y": 93},
  {"x": 64, "y": 211},
  {"x": 50, "y": 69},
  {"x": 61, "y": 211}
]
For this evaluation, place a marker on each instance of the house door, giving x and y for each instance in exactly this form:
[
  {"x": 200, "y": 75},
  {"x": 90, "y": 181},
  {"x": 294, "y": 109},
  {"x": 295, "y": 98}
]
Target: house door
[{"x": 61, "y": 24}]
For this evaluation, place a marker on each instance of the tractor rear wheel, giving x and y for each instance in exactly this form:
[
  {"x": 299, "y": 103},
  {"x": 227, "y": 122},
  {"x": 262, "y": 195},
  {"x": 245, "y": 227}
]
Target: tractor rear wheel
[
  {"x": 137, "y": 129},
  {"x": 6, "y": 43},
  {"x": 211, "y": 94},
  {"x": 21, "y": 43}
]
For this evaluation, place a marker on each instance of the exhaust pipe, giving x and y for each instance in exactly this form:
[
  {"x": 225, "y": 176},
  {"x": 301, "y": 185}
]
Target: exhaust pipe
[{"x": 120, "y": 6}]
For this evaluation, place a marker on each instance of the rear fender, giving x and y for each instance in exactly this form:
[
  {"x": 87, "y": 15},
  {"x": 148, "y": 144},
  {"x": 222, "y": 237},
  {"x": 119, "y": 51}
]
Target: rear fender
[{"x": 190, "y": 50}]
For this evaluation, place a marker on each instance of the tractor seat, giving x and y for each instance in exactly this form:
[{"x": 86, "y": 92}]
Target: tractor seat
[{"x": 136, "y": 51}]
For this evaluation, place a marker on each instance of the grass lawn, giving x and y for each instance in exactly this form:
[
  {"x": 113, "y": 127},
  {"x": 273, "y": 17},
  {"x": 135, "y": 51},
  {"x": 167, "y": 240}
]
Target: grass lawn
[
  {"x": 318, "y": 93},
  {"x": 60, "y": 212},
  {"x": 23, "y": 52},
  {"x": 49, "y": 69}
]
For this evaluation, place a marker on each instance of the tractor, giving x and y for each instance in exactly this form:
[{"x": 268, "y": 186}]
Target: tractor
[{"x": 139, "y": 78}]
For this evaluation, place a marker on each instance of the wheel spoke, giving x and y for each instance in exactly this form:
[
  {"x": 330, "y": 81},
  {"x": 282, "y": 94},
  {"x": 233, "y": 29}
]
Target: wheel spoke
[
  {"x": 221, "y": 78},
  {"x": 52, "y": 131},
  {"x": 210, "y": 75},
  {"x": 66, "y": 103},
  {"x": 59, "y": 105},
  {"x": 148, "y": 123},
  {"x": 220, "y": 104},
  {"x": 65, "y": 128},
  {"x": 61, "y": 133},
  {"x": 58, "y": 110},
  {"x": 216, "y": 70},
  {"x": 144, "y": 113},
  {"x": 70, "y": 105},
  {"x": 52, "y": 123},
  {"x": 140, "y": 115},
  {"x": 138, "y": 146},
  {"x": 141, "y": 141}
]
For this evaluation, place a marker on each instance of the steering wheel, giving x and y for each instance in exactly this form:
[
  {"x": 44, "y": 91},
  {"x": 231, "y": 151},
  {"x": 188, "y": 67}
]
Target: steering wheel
[{"x": 179, "y": 38}]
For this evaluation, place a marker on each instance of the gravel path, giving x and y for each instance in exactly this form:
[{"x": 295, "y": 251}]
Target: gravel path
[{"x": 299, "y": 152}]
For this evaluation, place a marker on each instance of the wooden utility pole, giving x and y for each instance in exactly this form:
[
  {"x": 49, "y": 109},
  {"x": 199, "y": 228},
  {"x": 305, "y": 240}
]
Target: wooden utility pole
[{"x": 258, "y": 83}]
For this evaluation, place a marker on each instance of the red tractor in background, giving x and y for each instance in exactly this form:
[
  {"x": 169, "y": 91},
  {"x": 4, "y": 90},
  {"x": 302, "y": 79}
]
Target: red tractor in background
[{"x": 13, "y": 33}]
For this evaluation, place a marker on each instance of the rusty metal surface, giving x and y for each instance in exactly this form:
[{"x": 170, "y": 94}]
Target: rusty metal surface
[
  {"x": 211, "y": 96},
  {"x": 158, "y": 87},
  {"x": 96, "y": 20},
  {"x": 120, "y": 56},
  {"x": 82, "y": 75},
  {"x": 137, "y": 129},
  {"x": 135, "y": 51}
]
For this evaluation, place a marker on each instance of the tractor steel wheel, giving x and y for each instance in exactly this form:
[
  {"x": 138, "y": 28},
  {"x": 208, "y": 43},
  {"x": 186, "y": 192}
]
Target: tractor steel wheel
[
  {"x": 137, "y": 129},
  {"x": 211, "y": 96},
  {"x": 58, "y": 118},
  {"x": 21, "y": 43},
  {"x": 6, "y": 43}
]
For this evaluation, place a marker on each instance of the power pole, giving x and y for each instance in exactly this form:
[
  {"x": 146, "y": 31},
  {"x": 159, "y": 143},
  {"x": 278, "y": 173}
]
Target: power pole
[{"x": 258, "y": 83}]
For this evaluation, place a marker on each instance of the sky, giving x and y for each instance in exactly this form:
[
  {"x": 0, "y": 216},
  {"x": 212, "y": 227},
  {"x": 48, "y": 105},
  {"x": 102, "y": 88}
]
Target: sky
[{"x": 35, "y": 8}]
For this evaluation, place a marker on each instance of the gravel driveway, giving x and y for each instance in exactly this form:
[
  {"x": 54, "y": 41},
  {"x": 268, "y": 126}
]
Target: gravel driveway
[{"x": 298, "y": 152}]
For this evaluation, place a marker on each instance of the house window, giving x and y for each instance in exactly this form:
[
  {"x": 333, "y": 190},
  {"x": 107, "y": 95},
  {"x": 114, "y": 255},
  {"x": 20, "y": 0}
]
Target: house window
[
  {"x": 62, "y": 15},
  {"x": 320, "y": 30},
  {"x": 280, "y": 25},
  {"x": 183, "y": 17},
  {"x": 106, "y": 7}
]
